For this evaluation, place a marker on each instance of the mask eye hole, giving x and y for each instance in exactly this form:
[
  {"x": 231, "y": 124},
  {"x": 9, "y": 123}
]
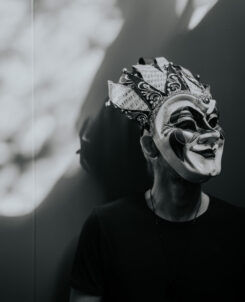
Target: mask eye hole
[
  {"x": 213, "y": 120},
  {"x": 187, "y": 125}
]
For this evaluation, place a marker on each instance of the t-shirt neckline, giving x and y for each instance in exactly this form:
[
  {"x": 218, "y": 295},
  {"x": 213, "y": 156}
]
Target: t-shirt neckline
[{"x": 161, "y": 220}]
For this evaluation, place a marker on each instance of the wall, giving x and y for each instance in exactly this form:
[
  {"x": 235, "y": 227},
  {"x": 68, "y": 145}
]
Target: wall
[{"x": 37, "y": 250}]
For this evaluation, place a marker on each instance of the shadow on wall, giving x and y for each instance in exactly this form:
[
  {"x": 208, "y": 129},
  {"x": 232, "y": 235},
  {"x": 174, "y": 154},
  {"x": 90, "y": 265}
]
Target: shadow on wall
[{"x": 211, "y": 49}]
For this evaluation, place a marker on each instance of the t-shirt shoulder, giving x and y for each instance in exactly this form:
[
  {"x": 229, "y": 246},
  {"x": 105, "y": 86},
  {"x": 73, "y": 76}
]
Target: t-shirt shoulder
[{"x": 121, "y": 206}]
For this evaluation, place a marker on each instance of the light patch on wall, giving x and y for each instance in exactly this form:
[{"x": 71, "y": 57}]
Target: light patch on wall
[
  {"x": 37, "y": 134},
  {"x": 200, "y": 10},
  {"x": 180, "y": 6}
]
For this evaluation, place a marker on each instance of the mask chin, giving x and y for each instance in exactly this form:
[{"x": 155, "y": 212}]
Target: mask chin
[
  {"x": 208, "y": 167},
  {"x": 189, "y": 165}
]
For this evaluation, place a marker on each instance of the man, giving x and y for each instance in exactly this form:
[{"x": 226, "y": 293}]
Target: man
[{"x": 173, "y": 242}]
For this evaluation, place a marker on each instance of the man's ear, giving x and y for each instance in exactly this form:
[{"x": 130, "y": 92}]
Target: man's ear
[{"x": 148, "y": 145}]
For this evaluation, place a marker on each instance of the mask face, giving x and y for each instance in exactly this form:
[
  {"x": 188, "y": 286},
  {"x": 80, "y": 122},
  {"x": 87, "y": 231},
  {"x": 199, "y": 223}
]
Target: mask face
[{"x": 189, "y": 137}]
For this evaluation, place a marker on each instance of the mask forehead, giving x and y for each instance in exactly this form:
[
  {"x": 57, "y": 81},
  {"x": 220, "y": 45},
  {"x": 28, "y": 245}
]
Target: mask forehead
[{"x": 174, "y": 104}]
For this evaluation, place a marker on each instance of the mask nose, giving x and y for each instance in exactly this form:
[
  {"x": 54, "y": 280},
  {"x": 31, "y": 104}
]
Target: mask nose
[{"x": 209, "y": 138}]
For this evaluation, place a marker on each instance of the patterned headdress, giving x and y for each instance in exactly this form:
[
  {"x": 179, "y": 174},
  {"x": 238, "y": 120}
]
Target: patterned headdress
[{"x": 140, "y": 93}]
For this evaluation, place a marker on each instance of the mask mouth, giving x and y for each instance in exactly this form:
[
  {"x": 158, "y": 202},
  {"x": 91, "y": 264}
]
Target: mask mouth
[{"x": 207, "y": 153}]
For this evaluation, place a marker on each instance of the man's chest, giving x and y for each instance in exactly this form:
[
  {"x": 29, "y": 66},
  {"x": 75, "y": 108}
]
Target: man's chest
[{"x": 178, "y": 259}]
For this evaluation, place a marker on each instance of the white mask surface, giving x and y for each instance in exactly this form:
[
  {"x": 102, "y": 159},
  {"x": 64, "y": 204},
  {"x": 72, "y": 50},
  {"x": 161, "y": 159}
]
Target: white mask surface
[{"x": 189, "y": 137}]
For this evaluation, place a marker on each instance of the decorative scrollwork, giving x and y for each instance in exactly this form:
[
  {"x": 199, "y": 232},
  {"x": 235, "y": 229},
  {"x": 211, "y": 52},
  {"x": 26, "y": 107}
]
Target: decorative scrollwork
[
  {"x": 151, "y": 95},
  {"x": 148, "y": 87},
  {"x": 173, "y": 83}
]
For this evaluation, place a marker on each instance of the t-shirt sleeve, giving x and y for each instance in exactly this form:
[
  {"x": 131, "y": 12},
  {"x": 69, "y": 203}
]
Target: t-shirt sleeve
[{"x": 88, "y": 268}]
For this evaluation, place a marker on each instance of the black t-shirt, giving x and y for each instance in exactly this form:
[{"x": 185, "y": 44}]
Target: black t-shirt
[{"x": 127, "y": 253}]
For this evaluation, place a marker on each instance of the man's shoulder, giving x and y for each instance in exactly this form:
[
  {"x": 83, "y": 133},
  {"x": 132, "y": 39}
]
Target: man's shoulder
[{"x": 123, "y": 207}]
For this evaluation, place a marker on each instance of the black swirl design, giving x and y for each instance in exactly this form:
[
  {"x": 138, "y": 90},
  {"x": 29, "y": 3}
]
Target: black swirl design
[
  {"x": 173, "y": 83},
  {"x": 151, "y": 95},
  {"x": 140, "y": 117}
]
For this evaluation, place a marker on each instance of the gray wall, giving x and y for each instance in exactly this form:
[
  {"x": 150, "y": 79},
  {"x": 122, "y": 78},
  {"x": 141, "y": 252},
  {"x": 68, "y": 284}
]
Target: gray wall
[{"x": 37, "y": 250}]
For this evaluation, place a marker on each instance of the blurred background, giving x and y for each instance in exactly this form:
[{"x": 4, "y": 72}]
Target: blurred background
[{"x": 56, "y": 57}]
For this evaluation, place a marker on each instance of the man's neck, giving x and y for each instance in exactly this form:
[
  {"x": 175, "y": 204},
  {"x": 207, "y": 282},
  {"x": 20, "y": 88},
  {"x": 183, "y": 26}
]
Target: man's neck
[{"x": 175, "y": 199}]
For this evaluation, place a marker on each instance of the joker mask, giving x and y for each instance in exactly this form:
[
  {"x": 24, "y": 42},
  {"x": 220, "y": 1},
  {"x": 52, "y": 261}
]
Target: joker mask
[{"x": 189, "y": 137}]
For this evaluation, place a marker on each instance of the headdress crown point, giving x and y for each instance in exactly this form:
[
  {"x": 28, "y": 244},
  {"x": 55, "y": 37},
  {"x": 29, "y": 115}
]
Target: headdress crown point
[{"x": 150, "y": 84}]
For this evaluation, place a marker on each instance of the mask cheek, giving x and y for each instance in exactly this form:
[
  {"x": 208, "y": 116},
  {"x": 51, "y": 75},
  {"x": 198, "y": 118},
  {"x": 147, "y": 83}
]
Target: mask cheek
[
  {"x": 175, "y": 161},
  {"x": 172, "y": 151},
  {"x": 218, "y": 158},
  {"x": 202, "y": 165},
  {"x": 194, "y": 160},
  {"x": 189, "y": 165}
]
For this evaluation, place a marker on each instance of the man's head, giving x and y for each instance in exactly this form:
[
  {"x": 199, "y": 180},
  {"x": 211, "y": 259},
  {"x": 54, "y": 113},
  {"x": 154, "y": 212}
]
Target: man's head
[{"x": 179, "y": 115}]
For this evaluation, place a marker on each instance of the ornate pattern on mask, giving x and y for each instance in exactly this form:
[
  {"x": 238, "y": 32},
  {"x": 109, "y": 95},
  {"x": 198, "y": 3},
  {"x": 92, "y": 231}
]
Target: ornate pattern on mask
[{"x": 148, "y": 86}]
